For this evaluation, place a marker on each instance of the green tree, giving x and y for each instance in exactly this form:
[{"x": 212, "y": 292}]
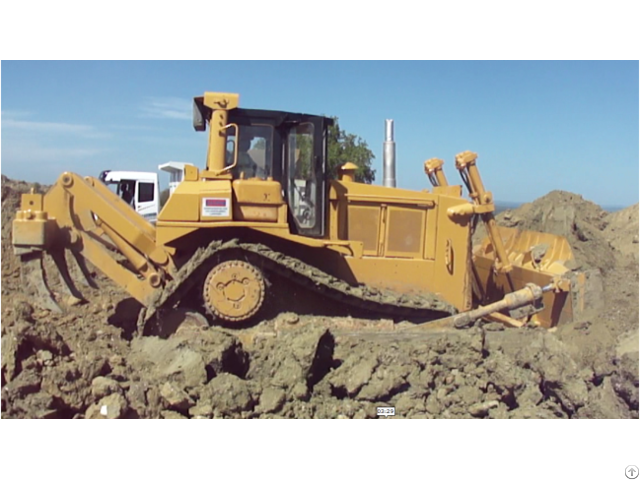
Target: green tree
[{"x": 346, "y": 147}]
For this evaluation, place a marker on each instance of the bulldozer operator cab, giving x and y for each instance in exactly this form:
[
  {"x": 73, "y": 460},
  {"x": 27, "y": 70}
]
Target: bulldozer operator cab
[{"x": 289, "y": 148}]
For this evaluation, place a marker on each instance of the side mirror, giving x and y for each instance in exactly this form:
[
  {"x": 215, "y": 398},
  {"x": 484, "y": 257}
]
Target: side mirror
[{"x": 199, "y": 120}]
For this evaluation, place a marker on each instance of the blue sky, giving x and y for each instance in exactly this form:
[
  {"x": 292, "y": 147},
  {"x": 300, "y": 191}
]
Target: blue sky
[{"x": 537, "y": 126}]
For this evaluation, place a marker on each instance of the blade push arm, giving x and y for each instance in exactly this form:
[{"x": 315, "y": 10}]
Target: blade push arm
[
  {"x": 483, "y": 205},
  {"x": 433, "y": 169}
]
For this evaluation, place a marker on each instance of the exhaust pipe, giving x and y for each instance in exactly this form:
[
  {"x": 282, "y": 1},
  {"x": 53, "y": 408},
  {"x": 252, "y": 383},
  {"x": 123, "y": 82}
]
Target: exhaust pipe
[{"x": 389, "y": 156}]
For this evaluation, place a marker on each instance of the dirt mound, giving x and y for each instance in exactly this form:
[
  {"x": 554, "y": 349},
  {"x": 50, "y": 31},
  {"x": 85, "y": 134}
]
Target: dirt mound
[
  {"x": 306, "y": 372},
  {"x": 622, "y": 231},
  {"x": 570, "y": 215},
  {"x": 603, "y": 244},
  {"x": 88, "y": 363}
]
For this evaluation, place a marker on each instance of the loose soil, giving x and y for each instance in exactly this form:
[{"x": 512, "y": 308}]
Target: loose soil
[{"x": 88, "y": 362}]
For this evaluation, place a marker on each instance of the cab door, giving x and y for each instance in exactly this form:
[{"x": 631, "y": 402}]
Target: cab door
[
  {"x": 146, "y": 200},
  {"x": 305, "y": 173}
]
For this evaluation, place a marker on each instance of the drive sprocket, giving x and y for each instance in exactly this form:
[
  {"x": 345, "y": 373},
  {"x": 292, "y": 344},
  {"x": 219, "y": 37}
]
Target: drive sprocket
[{"x": 234, "y": 290}]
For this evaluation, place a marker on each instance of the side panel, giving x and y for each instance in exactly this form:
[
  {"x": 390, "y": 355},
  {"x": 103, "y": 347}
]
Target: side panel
[
  {"x": 405, "y": 232},
  {"x": 363, "y": 226},
  {"x": 399, "y": 275},
  {"x": 258, "y": 200},
  {"x": 203, "y": 205},
  {"x": 410, "y": 244},
  {"x": 199, "y": 201},
  {"x": 452, "y": 272}
]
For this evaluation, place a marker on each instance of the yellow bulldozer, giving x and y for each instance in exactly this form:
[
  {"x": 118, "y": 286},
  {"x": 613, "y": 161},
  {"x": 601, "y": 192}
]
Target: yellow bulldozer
[{"x": 266, "y": 208}]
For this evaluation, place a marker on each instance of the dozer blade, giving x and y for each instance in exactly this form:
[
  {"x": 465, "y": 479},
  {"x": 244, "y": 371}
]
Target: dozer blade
[
  {"x": 538, "y": 258},
  {"x": 33, "y": 279}
]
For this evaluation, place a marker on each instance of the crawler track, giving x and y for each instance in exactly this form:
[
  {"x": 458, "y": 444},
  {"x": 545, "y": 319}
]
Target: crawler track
[{"x": 424, "y": 306}]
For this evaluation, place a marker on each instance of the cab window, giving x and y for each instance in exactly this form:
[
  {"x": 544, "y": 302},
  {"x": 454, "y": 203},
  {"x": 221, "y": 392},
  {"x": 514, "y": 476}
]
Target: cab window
[
  {"x": 145, "y": 192},
  {"x": 255, "y": 149},
  {"x": 302, "y": 178}
]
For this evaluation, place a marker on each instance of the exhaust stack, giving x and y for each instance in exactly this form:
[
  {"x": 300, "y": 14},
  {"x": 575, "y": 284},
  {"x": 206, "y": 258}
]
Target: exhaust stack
[{"x": 389, "y": 156}]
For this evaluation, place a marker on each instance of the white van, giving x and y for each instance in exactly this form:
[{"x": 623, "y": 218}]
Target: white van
[{"x": 138, "y": 189}]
